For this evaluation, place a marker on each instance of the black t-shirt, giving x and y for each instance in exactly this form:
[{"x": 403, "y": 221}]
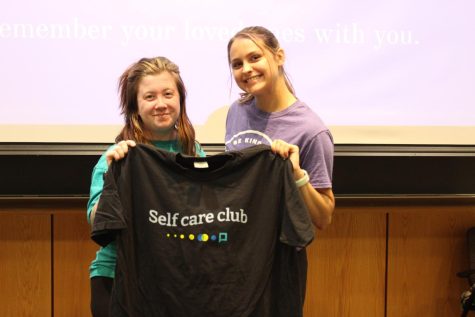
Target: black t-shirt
[{"x": 215, "y": 236}]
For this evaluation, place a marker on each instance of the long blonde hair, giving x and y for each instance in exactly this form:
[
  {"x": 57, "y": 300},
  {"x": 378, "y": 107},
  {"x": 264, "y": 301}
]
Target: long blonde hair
[
  {"x": 265, "y": 40},
  {"x": 128, "y": 90}
]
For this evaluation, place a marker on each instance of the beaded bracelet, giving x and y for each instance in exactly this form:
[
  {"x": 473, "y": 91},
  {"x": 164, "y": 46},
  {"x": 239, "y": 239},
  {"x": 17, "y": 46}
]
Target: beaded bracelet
[{"x": 303, "y": 180}]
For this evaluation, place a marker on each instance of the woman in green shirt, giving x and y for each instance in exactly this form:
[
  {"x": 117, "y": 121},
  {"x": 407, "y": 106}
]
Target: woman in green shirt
[{"x": 152, "y": 100}]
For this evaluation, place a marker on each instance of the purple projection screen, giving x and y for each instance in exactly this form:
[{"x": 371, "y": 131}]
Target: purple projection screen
[{"x": 401, "y": 72}]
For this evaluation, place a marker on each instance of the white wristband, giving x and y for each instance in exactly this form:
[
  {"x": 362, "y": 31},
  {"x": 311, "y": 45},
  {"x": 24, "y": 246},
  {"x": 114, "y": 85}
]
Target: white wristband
[{"x": 304, "y": 180}]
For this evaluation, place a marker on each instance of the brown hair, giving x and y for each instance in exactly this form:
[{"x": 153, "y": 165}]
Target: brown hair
[
  {"x": 128, "y": 90},
  {"x": 265, "y": 40}
]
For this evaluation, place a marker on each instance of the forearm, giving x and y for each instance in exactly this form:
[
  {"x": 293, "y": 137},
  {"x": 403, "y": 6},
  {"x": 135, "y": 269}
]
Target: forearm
[{"x": 320, "y": 203}]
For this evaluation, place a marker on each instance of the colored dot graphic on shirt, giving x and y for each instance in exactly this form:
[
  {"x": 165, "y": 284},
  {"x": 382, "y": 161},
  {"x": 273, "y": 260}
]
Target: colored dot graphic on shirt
[
  {"x": 223, "y": 237},
  {"x": 202, "y": 237}
]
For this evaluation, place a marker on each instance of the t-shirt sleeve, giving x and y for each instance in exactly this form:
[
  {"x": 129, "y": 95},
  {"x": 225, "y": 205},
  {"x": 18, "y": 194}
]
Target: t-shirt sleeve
[
  {"x": 296, "y": 227},
  {"x": 109, "y": 216},
  {"x": 97, "y": 182},
  {"x": 199, "y": 150},
  {"x": 316, "y": 157}
]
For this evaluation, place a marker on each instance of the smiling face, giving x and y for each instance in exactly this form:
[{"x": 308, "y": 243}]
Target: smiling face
[
  {"x": 158, "y": 102},
  {"x": 255, "y": 70}
]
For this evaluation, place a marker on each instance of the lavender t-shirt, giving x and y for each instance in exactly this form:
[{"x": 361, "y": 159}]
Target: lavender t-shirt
[{"x": 246, "y": 126}]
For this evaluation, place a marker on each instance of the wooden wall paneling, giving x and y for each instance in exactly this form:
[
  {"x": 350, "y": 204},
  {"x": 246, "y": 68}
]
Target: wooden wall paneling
[
  {"x": 25, "y": 264},
  {"x": 346, "y": 274},
  {"x": 73, "y": 252},
  {"x": 347, "y": 262},
  {"x": 427, "y": 247}
]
